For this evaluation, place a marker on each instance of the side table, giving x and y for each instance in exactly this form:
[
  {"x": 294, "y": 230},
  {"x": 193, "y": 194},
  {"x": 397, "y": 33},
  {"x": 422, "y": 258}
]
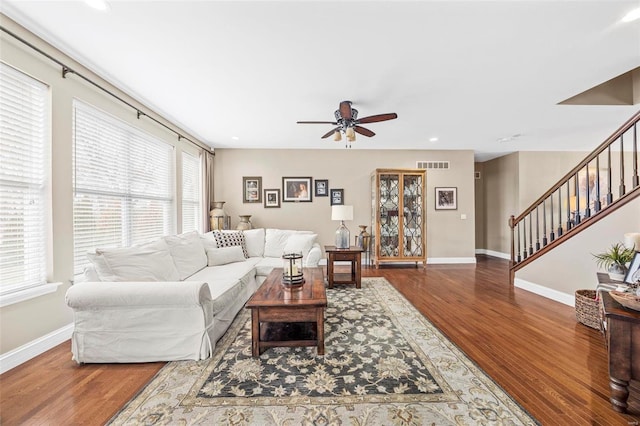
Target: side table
[{"x": 352, "y": 254}]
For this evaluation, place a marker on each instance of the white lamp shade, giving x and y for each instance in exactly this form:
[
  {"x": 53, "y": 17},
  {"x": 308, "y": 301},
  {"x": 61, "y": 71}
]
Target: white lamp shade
[
  {"x": 632, "y": 240},
  {"x": 341, "y": 212}
]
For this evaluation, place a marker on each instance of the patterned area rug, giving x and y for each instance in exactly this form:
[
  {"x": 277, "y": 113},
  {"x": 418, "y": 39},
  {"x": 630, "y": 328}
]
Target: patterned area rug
[{"x": 384, "y": 364}]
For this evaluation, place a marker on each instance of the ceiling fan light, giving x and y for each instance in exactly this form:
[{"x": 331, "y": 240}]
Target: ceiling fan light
[
  {"x": 351, "y": 138},
  {"x": 351, "y": 133},
  {"x": 337, "y": 136}
]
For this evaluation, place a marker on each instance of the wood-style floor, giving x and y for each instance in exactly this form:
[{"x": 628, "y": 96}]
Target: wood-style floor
[{"x": 533, "y": 347}]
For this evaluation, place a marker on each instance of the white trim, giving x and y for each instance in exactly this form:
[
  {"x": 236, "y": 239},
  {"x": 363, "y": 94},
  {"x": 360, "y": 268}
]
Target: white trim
[
  {"x": 494, "y": 253},
  {"x": 34, "y": 348},
  {"x": 26, "y": 294},
  {"x": 436, "y": 260},
  {"x": 549, "y": 293}
]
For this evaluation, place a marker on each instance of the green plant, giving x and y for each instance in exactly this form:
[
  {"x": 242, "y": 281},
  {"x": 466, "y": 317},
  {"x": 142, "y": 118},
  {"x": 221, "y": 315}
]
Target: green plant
[{"x": 618, "y": 254}]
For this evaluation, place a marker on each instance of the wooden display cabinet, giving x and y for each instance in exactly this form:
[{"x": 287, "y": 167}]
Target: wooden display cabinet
[{"x": 398, "y": 221}]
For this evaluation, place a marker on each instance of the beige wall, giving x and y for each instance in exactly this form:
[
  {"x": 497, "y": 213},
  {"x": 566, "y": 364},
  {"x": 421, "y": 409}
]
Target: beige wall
[
  {"x": 26, "y": 321},
  {"x": 448, "y": 236}
]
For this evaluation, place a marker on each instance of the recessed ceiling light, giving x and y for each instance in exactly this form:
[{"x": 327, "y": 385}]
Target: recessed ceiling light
[
  {"x": 632, "y": 16},
  {"x": 235, "y": 138},
  {"x": 98, "y": 4},
  {"x": 509, "y": 138},
  {"x": 433, "y": 140}
]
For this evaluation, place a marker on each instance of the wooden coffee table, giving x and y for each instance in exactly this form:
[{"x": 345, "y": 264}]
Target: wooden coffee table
[{"x": 288, "y": 317}]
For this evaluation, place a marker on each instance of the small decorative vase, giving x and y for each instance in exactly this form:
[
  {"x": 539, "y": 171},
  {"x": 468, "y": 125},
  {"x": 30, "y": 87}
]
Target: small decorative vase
[
  {"x": 617, "y": 272},
  {"x": 217, "y": 215},
  {"x": 363, "y": 238},
  {"x": 245, "y": 222}
]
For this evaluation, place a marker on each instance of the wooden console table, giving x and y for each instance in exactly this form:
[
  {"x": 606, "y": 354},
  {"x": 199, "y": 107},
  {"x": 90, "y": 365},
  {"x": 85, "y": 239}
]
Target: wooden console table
[
  {"x": 621, "y": 327},
  {"x": 352, "y": 254}
]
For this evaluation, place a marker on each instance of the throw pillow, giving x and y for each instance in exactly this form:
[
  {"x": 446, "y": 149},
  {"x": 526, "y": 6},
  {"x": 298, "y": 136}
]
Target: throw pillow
[
  {"x": 230, "y": 239},
  {"x": 188, "y": 253},
  {"x": 300, "y": 243},
  {"x": 224, "y": 255},
  {"x": 146, "y": 262},
  {"x": 275, "y": 240},
  {"x": 255, "y": 242}
]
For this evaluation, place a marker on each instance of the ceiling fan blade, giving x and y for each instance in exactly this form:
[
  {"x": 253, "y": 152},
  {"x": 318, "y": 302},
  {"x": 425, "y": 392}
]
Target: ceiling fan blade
[
  {"x": 363, "y": 131},
  {"x": 376, "y": 118},
  {"x": 330, "y": 133},
  {"x": 317, "y": 122},
  {"x": 345, "y": 110}
]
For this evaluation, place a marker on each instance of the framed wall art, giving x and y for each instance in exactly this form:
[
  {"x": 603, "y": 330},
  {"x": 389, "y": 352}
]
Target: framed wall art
[
  {"x": 322, "y": 188},
  {"x": 251, "y": 189},
  {"x": 633, "y": 273},
  {"x": 337, "y": 197},
  {"x": 271, "y": 198},
  {"x": 296, "y": 189},
  {"x": 446, "y": 198}
]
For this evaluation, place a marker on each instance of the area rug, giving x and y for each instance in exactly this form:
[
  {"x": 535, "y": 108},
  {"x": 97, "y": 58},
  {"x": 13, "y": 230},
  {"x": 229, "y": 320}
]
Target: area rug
[{"x": 384, "y": 364}]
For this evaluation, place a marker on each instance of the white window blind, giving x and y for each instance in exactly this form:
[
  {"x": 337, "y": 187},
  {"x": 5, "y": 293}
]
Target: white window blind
[
  {"x": 123, "y": 184},
  {"x": 191, "y": 211},
  {"x": 24, "y": 180}
]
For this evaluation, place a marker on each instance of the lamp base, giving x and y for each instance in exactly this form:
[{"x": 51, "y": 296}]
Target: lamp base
[{"x": 342, "y": 236}]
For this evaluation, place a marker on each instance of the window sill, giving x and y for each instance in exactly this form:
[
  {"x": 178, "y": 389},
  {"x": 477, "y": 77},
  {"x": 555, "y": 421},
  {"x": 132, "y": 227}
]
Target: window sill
[{"x": 30, "y": 293}]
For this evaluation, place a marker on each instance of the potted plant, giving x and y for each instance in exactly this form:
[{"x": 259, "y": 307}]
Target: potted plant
[{"x": 615, "y": 260}]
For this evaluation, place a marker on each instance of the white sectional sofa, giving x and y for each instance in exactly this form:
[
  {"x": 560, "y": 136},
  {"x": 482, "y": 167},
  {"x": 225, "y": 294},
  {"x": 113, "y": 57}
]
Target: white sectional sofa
[{"x": 173, "y": 298}]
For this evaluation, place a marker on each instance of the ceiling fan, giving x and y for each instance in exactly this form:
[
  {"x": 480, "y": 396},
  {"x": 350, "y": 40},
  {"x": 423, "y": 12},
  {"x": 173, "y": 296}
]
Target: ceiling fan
[{"x": 347, "y": 122}]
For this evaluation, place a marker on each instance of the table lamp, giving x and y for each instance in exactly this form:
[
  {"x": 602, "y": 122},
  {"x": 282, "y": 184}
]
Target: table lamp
[{"x": 342, "y": 213}]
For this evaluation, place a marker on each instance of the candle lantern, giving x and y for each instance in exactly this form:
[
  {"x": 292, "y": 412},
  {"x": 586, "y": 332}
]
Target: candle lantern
[{"x": 292, "y": 269}]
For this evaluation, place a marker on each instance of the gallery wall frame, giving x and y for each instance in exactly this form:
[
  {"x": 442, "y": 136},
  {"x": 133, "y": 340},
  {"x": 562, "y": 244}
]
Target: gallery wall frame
[
  {"x": 251, "y": 189},
  {"x": 337, "y": 197},
  {"x": 321, "y": 188},
  {"x": 446, "y": 198},
  {"x": 271, "y": 198},
  {"x": 296, "y": 189}
]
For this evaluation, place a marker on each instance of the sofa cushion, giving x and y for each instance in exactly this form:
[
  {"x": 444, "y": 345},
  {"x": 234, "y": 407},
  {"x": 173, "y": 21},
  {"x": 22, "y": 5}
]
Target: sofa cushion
[
  {"x": 188, "y": 253},
  {"x": 146, "y": 262},
  {"x": 300, "y": 243},
  {"x": 254, "y": 239},
  {"x": 224, "y": 255}
]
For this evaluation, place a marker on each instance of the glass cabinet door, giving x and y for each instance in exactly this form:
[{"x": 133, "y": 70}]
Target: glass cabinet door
[
  {"x": 412, "y": 215},
  {"x": 389, "y": 220}
]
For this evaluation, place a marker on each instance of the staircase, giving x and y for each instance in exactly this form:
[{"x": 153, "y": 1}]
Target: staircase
[{"x": 603, "y": 182}]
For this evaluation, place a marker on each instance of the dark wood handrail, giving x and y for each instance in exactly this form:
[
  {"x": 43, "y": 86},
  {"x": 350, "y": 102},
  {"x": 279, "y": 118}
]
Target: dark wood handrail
[{"x": 599, "y": 150}]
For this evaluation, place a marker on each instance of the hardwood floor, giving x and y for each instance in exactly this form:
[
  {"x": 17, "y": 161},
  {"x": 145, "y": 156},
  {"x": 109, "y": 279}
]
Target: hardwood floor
[{"x": 533, "y": 347}]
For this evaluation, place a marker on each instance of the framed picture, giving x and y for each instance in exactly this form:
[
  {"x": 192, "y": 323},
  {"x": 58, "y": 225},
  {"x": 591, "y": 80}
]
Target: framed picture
[
  {"x": 296, "y": 189},
  {"x": 633, "y": 274},
  {"x": 251, "y": 189},
  {"x": 447, "y": 198},
  {"x": 322, "y": 188},
  {"x": 271, "y": 198},
  {"x": 337, "y": 197}
]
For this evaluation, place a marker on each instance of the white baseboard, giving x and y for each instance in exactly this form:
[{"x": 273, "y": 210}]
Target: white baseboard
[
  {"x": 34, "y": 348},
  {"x": 494, "y": 253},
  {"x": 558, "y": 296},
  {"x": 437, "y": 260}
]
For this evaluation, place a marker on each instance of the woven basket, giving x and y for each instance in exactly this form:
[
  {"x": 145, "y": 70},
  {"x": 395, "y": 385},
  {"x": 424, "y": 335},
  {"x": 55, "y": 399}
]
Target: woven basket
[{"x": 587, "y": 308}]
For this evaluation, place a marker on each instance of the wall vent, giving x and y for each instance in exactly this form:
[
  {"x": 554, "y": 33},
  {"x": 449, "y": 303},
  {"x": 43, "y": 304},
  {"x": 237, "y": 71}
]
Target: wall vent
[
  {"x": 433, "y": 165},
  {"x": 477, "y": 175}
]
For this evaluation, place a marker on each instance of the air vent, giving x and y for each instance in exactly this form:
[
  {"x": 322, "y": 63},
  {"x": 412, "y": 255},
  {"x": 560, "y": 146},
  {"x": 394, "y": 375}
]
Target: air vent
[
  {"x": 433, "y": 165},
  {"x": 477, "y": 175}
]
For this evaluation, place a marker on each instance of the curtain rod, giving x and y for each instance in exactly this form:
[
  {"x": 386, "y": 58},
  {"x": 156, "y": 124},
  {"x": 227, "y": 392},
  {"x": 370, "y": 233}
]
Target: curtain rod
[{"x": 66, "y": 70}]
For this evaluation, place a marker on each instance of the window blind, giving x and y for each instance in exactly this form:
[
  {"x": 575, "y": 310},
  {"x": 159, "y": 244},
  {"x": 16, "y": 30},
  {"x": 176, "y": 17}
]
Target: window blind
[
  {"x": 191, "y": 194},
  {"x": 123, "y": 184},
  {"x": 24, "y": 175}
]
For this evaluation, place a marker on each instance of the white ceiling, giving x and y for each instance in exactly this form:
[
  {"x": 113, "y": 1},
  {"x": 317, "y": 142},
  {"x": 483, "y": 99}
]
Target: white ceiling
[{"x": 467, "y": 72}]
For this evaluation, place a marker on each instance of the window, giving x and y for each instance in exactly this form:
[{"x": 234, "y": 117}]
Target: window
[
  {"x": 24, "y": 181},
  {"x": 123, "y": 184},
  {"x": 191, "y": 208}
]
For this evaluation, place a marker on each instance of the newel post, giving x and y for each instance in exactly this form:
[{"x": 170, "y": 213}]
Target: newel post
[{"x": 513, "y": 250}]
